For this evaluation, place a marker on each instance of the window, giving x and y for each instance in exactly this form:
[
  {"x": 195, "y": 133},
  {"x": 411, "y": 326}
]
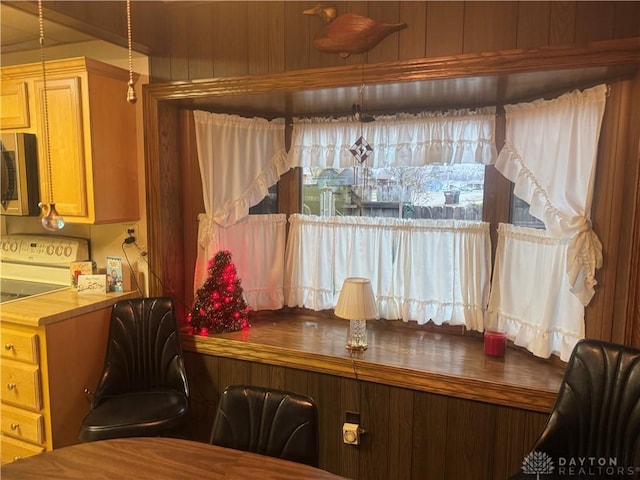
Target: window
[
  {"x": 430, "y": 191},
  {"x": 269, "y": 204},
  {"x": 519, "y": 213},
  {"x": 372, "y": 220}
]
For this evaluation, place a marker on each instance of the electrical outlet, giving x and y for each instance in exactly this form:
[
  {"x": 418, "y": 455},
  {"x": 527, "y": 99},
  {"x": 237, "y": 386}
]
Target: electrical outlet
[
  {"x": 351, "y": 434},
  {"x": 351, "y": 429},
  {"x": 130, "y": 233}
]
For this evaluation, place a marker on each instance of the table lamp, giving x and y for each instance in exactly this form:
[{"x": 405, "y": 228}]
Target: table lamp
[{"x": 357, "y": 304}]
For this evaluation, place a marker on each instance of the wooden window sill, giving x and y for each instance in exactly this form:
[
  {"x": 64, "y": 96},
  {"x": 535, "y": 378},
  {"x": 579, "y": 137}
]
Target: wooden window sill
[{"x": 413, "y": 358}]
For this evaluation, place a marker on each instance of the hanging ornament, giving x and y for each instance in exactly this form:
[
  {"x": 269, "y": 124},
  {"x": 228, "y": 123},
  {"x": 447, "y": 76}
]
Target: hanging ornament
[{"x": 361, "y": 150}]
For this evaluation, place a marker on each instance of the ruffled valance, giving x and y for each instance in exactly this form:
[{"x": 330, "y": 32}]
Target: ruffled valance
[{"x": 450, "y": 137}]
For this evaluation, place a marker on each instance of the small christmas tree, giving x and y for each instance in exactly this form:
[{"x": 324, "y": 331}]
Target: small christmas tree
[{"x": 219, "y": 306}]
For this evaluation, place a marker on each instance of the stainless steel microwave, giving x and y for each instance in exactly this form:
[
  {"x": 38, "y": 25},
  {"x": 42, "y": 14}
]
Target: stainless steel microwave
[{"x": 19, "y": 175}]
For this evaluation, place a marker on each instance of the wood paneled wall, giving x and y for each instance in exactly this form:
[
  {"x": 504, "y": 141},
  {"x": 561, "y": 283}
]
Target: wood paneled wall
[
  {"x": 218, "y": 39},
  {"x": 409, "y": 434}
]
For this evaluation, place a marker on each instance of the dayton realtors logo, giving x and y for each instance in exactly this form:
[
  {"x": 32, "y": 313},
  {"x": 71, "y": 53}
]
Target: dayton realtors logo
[{"x": 539, "y": 463}]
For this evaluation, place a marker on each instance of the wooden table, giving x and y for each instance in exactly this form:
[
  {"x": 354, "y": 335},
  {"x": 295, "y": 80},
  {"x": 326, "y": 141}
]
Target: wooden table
[{"x": 156, "y": 458}]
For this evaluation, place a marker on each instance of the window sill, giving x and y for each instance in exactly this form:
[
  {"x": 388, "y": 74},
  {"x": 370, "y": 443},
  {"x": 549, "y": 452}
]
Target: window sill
[{"x": 417, "y": 359}]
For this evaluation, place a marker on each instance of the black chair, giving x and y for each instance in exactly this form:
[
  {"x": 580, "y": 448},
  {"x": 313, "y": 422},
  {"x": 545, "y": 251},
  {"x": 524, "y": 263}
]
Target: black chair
[
  {"x": 143, "y": 390},
  {"x": 266, "y": 421},
  {"x": 596, "y": 416}
]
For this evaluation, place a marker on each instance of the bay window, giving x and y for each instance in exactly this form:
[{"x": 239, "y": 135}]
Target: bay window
[{"x": 400, "y": 200}]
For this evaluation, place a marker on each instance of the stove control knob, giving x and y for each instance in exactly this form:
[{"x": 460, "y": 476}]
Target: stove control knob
[
  {"x": 58, "y": 250},
  {"x": 67, "y": 251},
  {"x": 13, "y": 246},
  {"x": 50, "y": 249}
]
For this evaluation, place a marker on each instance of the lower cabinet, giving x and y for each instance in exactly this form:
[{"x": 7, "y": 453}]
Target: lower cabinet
[
  {"x": 44, "y": 373},
  {"x": 13, "y": 449}
]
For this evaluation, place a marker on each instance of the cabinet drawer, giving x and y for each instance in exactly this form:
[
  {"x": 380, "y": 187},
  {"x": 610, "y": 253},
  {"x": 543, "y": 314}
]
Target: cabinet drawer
[
  {"x": 19, "y": 345},
  {"x": 22, "y": 424},
  {"x": 20, "y": 384},
  {"x": 13, "y": 449}
]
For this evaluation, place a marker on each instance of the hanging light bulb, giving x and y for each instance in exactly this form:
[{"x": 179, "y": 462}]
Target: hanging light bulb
[
  {"x": 131, "y": 93},
  {"x": 52, "y": 220}
]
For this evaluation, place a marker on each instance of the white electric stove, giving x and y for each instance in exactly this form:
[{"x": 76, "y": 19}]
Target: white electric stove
[{"x": 37, "y": 264}]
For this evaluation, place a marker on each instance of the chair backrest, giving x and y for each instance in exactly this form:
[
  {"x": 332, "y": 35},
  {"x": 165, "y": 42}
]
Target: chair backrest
[
  {"x": 143, "y": 349},
  {"x": 266, "y": 421},
  {"x": 597, "y": 413}
]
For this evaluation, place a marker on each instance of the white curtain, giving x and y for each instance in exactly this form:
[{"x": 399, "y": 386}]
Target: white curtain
[
  {"x": 544, "y": 279},
  {"x": 529, "y": 300},
  {"x": 454, "y": 136},
  {"x": 240, "y": 158},
  {"x": 419, "y": 269},
  {"x": 550, "y": 154},
  {"x": 257, "y": 246}
]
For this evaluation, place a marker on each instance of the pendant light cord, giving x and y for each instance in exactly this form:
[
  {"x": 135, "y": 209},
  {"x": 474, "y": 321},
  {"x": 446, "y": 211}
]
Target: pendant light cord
[
  {"x": 46, "y": 105},
  {"x": 131, "y": 94}
]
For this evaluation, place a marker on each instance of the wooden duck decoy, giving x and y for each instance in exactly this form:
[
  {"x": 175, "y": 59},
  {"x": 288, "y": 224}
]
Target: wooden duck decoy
[{"x": 349, "y": 33}]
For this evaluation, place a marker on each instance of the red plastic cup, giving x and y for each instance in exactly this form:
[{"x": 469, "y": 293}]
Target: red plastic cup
[{"x": 495, "y": 343}]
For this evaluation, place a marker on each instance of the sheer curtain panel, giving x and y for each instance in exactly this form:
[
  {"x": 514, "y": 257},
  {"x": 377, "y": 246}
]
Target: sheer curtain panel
[
  {"x": 530, "y": 300},
  {"x": 420, "y": 270},
  {"x": 257, "y": 246}
]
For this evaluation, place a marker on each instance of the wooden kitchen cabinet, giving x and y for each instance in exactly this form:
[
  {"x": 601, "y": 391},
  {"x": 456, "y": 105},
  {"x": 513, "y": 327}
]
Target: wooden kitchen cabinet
[
  {"x": 44, "y": 373},
  {"x": 14, "y": 105},
  {"x": 92, "y": 136}
]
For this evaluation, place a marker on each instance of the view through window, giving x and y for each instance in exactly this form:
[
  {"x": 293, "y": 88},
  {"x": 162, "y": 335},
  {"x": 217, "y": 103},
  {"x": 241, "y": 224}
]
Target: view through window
[{"x": 431, "y": 191}]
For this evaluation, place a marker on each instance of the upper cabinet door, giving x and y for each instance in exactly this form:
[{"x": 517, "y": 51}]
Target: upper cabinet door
[
  {"x": 14, "y": 105},
  {"x": 66, "y": 178}
]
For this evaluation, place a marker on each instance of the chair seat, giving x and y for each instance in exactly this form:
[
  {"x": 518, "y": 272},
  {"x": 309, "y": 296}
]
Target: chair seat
[{"x": 143, "y": 413}]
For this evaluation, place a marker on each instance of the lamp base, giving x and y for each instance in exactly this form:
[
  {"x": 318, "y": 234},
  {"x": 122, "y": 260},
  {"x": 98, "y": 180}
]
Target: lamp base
[
  {"x": 356, "y": 348},
  {"x": 357, "y": 335}
]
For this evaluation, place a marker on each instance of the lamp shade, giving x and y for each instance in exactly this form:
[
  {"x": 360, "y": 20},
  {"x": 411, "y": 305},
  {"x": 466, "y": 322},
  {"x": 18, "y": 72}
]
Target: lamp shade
[{"x": 356, "y": 301}]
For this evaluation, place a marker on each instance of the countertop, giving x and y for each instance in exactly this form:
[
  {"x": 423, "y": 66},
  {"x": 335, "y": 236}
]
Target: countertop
[
  {"x": 447, "y": 364},
  {"x": 48, "y": 308}
]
